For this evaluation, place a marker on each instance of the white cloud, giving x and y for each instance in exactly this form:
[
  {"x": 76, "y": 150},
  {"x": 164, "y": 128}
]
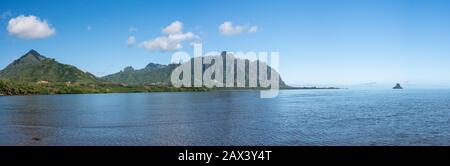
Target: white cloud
[
  {"x": 253, "y": 29},
  {"x": 172, "y": 40},
  {"x": 162, "y": 43},
  {"x": 227, "y": 28},
  {"x": 174, "y": 28},
  {"x": 30, "y": 27},
  {"x": 131, "y": 40}
]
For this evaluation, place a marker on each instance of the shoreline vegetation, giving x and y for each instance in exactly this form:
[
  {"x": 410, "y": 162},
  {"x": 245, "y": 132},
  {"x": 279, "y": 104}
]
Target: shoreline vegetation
[
  {"x": 34, "y": 73},
  {"x": 11, "y": 88}
]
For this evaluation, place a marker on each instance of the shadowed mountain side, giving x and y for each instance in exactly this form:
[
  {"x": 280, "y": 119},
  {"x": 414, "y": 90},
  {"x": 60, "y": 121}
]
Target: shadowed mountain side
[
  {"x": 151, "y": 74},
  {"x": 36, "y": 68},
  {"x": 161, "y": 74}
]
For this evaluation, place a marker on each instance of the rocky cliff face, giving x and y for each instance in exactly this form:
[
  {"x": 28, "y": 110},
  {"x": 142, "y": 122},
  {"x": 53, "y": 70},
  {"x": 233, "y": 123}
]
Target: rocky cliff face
[{"x": 160, "y": 74}]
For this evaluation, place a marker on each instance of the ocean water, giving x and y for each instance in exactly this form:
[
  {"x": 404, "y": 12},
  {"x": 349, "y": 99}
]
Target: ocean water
[{"x": 295, "y": 117}]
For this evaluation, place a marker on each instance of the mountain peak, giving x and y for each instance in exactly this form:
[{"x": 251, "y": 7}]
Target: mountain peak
[
  {"x": 224, "y": 53},
  {"x": 32, "y": 52},
  {"x": 31, "y": 56},
  {"x": 154, "y": 66},
  {"x": 33, "y": 67},
  {"x": 128, "y": 69}
]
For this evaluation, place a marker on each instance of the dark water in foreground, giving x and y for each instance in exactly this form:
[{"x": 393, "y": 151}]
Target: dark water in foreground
[{"x": 295, "y": 117}]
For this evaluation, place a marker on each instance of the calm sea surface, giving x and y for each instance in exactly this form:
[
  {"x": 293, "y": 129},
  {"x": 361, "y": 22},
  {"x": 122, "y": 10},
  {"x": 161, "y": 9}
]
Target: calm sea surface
[{"x": 295, "y": 117}]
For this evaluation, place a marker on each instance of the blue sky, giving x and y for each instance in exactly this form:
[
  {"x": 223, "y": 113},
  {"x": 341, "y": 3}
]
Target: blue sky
[{"x": 335, "y": 42}]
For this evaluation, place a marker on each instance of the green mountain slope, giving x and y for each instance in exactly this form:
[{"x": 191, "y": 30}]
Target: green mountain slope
[
  {"x": 151, "y": 74},
  {"x": 33, "y": 67},
  {"x": 160, "y": 74}
]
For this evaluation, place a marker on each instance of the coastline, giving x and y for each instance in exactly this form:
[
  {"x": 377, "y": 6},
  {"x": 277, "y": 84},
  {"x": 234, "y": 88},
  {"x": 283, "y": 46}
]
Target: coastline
[
  {"x": 179, "y": 90},
  {"x": 9, "y": 88}
]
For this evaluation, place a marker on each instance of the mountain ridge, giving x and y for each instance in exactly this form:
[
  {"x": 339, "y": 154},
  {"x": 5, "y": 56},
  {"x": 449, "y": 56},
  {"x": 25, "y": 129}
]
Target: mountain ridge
[
  {"x": 34, "y": 67},
  {"x": 161, "y": 74}
]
